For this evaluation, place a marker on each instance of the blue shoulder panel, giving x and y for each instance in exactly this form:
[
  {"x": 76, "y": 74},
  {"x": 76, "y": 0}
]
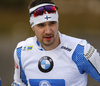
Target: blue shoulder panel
[
  {"x": 83, "y": 64},
  {"x": 22, "y": 74},
  {"x": 79, "y": 59}
]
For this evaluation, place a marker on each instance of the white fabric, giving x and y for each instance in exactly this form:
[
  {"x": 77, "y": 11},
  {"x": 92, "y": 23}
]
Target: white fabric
[
  {"x": 95, "y": 60},
  {"x": 64, "y": 67}
]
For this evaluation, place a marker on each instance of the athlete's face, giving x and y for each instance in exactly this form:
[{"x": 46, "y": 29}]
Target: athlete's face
[{"x": 47, "y": 33}]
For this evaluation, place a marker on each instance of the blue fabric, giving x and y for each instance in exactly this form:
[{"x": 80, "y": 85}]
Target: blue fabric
[
  {"x": 83, "y": 64},
  {"x": 38, "y": 43},
  {"x": 22, "y": 75},
  {"x": 47, "y": 82}
]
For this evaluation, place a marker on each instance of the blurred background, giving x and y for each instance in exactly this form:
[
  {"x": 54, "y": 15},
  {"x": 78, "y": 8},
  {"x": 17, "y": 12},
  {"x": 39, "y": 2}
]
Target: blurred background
[{"x": 78, "y": 18}]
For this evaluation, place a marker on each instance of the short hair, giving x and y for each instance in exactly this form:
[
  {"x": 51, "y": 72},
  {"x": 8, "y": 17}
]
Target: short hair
[{"x": 37, "y": 2}]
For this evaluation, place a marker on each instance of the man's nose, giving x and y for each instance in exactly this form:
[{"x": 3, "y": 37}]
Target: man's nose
[{"x": 47, "y": 29}]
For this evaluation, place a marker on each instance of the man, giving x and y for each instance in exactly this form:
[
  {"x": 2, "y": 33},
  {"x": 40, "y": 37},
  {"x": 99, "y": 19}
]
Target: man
[{"x": 51, "y": 58}]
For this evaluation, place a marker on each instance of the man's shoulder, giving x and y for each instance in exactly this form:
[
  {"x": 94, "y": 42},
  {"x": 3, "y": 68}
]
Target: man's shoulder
[
  {"x": 26, "y": 42},
  {"x": 79, "y": 42},
  {"x": 72, "y": 41}
]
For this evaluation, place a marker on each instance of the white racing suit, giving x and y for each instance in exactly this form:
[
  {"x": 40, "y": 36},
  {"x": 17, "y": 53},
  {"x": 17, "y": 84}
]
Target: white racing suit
[{"x": 66, "y": 65}]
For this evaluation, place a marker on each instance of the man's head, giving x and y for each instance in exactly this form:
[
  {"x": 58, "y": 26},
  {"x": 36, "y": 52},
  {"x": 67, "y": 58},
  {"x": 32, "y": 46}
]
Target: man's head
[
  {"x": 44, "y": 22},
  {"x": 37, "y": 2},
  {"x": 42, "y": 11}
]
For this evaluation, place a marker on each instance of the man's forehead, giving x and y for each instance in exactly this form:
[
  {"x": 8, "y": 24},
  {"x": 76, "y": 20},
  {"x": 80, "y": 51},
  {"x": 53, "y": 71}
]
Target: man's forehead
[{"x": 47, "y": 22}]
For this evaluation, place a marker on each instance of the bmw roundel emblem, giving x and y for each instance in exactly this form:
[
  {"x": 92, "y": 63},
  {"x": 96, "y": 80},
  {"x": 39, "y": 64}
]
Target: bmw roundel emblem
[{"x": 45, "y": 64}]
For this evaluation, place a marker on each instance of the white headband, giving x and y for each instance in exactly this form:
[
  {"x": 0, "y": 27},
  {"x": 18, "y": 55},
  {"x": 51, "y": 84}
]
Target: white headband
[{"x": 43, "y": 18}]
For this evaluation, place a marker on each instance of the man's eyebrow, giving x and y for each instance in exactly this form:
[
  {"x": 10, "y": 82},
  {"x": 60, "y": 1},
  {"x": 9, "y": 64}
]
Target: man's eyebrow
[{"x": 40, "y": 24}]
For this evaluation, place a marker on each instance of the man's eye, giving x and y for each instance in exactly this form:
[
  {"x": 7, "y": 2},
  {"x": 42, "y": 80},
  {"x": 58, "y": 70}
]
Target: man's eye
[
  {"x": 40, "y": 25},
  {"x": 53, "y": 22}
]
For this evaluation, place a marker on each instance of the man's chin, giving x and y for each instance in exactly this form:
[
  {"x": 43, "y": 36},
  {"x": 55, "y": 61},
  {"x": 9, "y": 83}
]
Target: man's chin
[{"x": 47, "y": 43}]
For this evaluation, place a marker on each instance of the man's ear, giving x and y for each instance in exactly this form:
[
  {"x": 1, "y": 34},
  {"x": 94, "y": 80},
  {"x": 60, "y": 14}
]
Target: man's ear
[{"x": 33, "y": 28}]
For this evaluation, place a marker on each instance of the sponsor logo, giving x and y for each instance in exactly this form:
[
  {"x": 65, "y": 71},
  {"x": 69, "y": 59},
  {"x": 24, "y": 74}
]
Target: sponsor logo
[
  {"x": 15, "y": 84},
  {"x": 29, "y": 47},
  {"x": 66, "y": 48},
  {"x": 44, "y": 83},
  {"x": 45, "y": 64},
  {"x": 16, "y": 65},
  {"x": 90, "y": 52},
  {"x": 32, "y": 23},
  {"x": 24, "y": 48}
]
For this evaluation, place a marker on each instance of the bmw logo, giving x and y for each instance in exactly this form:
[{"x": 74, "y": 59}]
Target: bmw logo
[{"x": 45, "y": 64}]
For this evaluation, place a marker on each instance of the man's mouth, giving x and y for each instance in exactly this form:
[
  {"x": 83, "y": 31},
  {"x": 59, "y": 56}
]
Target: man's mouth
[{"x": 48, "y": 37}]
